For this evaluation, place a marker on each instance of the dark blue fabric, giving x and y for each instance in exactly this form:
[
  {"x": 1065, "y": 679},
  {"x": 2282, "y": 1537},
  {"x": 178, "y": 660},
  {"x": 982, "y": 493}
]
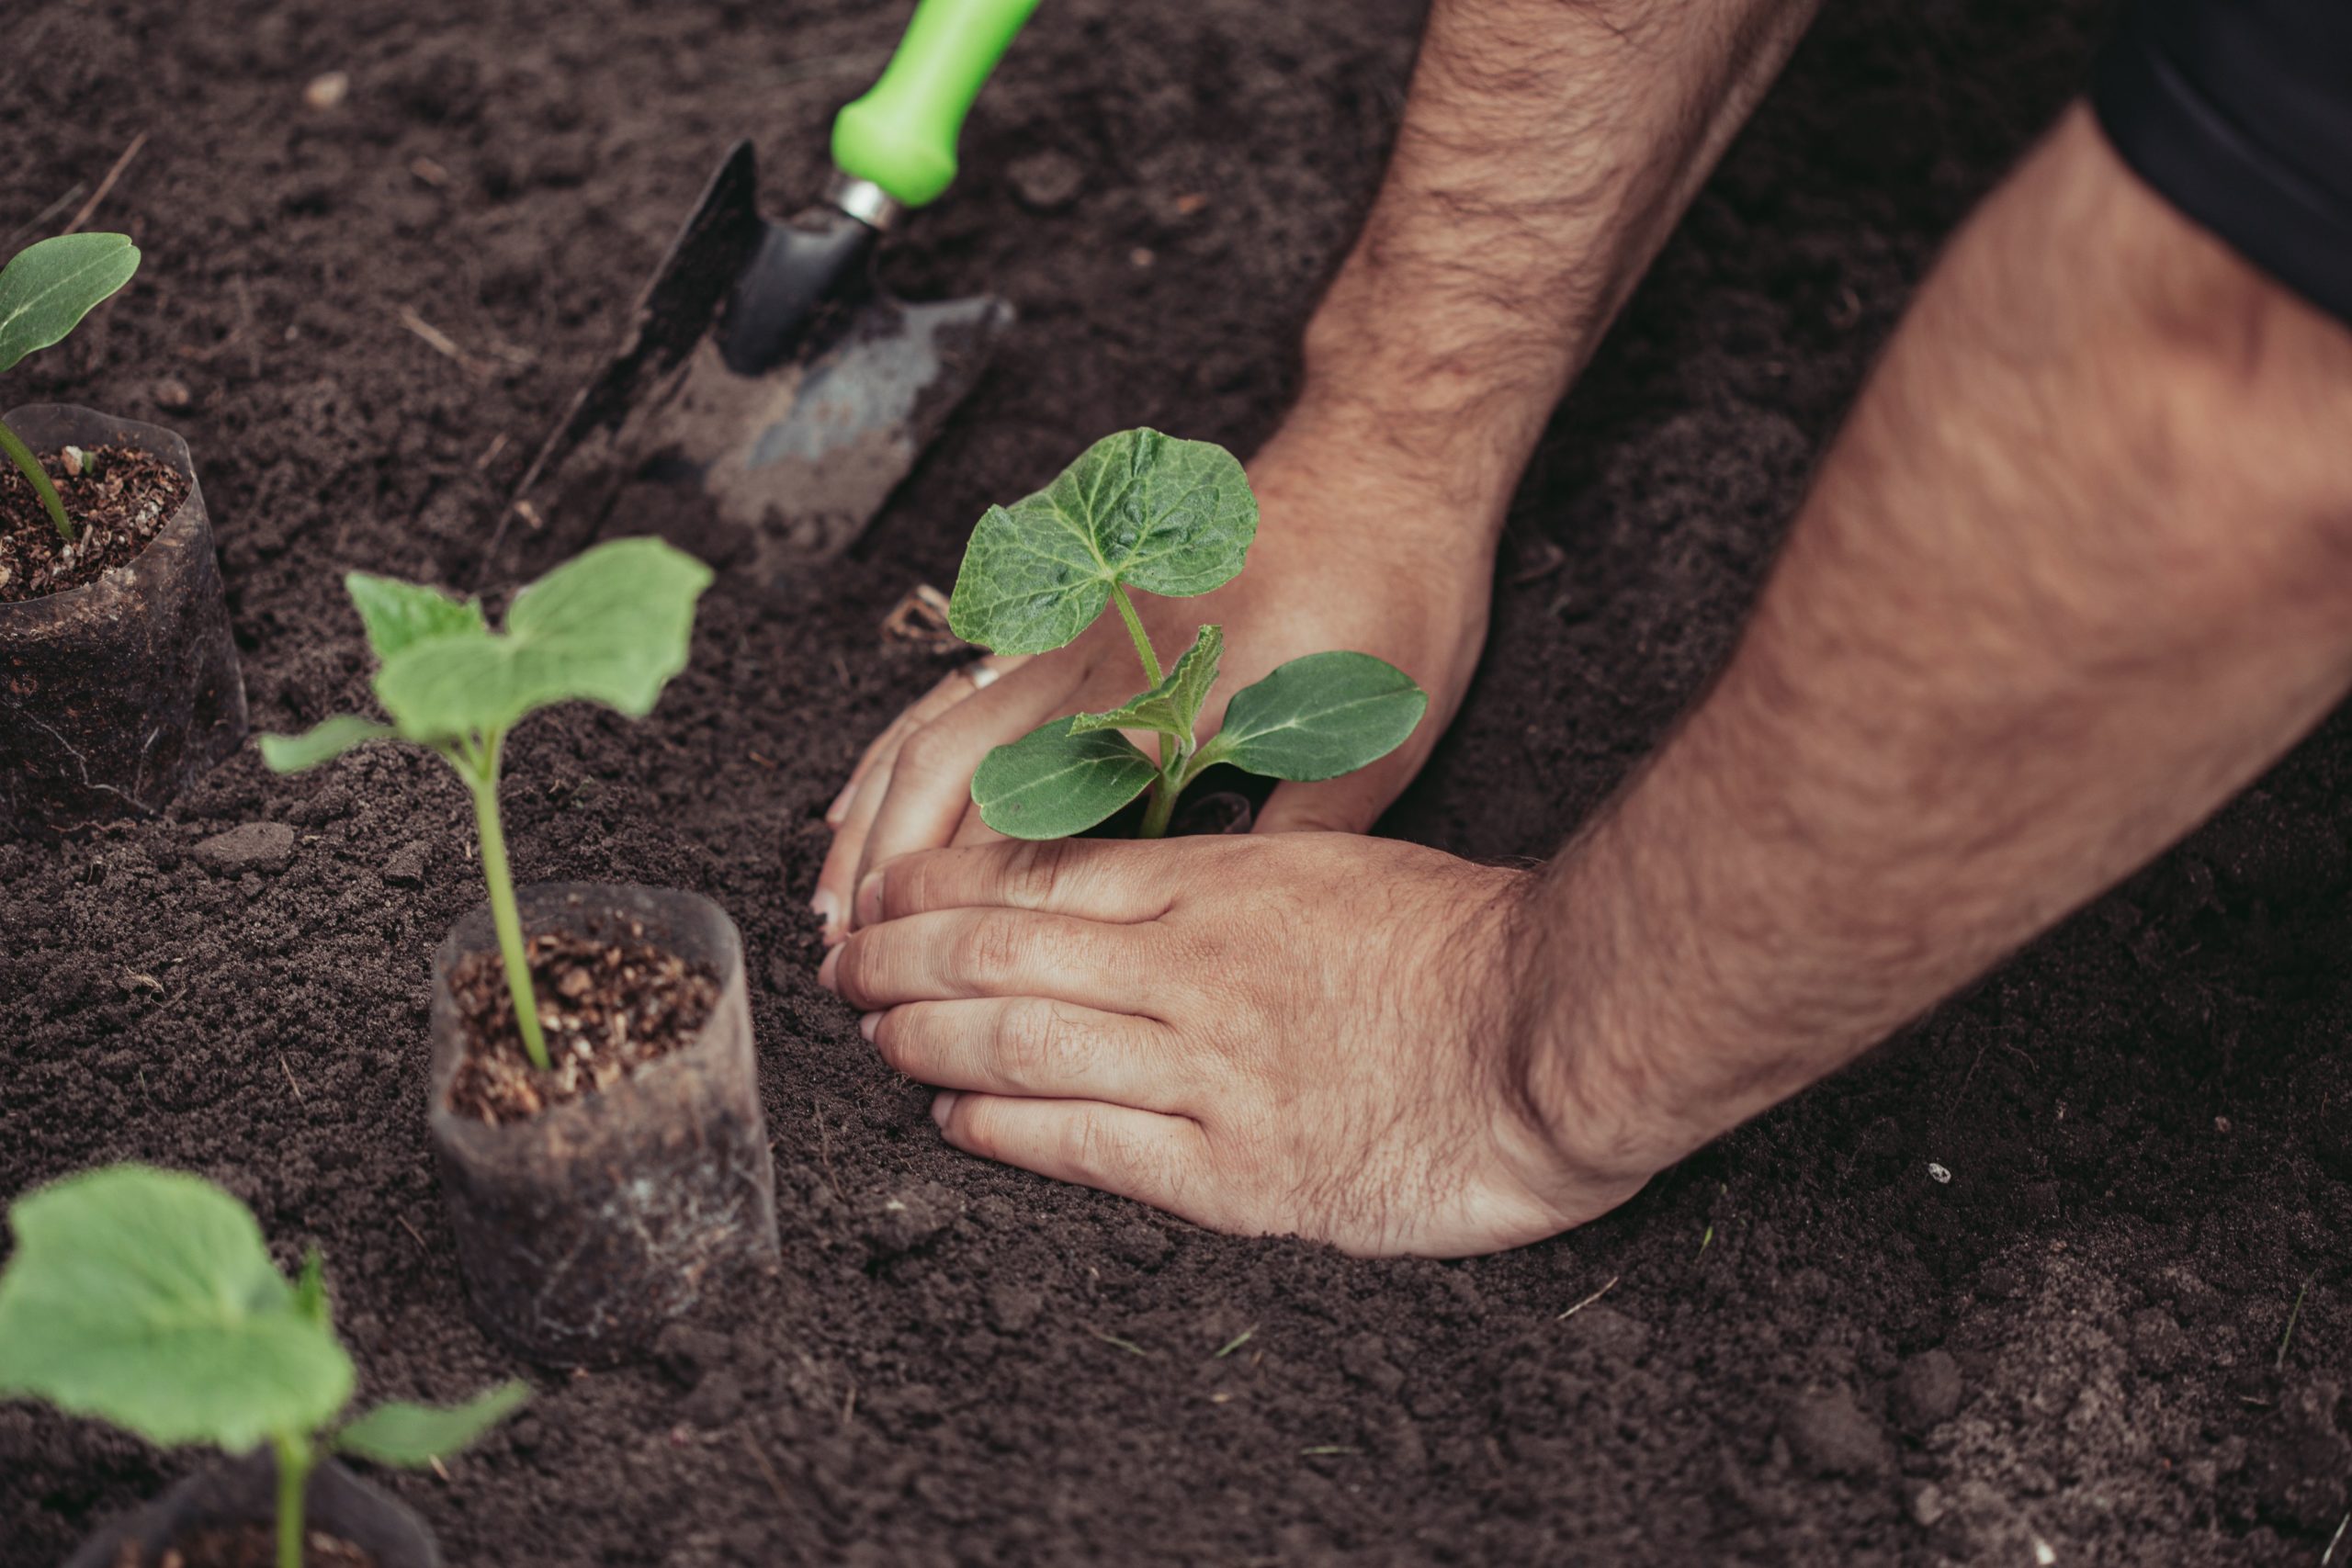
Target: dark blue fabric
[{"x": 2240, "y": 113}]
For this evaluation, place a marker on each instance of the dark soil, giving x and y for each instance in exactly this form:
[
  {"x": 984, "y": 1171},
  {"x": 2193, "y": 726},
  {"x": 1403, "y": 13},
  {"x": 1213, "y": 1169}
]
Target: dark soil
[
  {"x": 117, "y": 498},
  {"x": 2077, "y": 1340},
  {"x": 254, "y": 1546},
  {"x": 606, "y": 1008}
]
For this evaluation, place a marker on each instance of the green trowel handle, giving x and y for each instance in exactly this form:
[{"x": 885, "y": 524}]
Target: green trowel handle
[{"x": 902, "y": 134}]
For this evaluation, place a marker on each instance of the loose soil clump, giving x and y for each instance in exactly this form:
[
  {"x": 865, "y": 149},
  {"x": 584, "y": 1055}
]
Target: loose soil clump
[
  {"x": 607, "y": 1008},
  {"x": 117, "y": 498}
]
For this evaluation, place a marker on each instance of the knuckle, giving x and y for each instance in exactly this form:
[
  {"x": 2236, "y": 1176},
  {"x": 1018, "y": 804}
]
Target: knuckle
[
  {"x": 990, "y": 948},
  {"x": 1040, "y": 1043},
  {"x": 924, "y": 753},
  {"x": 1037, "y": 873},
  {"x": 1092, "y": 1150}
]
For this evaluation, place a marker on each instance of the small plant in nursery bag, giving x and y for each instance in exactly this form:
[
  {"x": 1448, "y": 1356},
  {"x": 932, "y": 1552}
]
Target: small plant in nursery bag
[
  {"x": 1142, "y": 509},
  {"x": 147, "y": 1298},
  {"x": 45, "y": 291},
  {"x": 611, "y": 626}
]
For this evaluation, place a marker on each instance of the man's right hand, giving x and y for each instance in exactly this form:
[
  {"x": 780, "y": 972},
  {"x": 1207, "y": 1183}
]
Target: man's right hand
[
  {"x": 1352, "y": 554},
  {"x": 1544, "y": 153}
]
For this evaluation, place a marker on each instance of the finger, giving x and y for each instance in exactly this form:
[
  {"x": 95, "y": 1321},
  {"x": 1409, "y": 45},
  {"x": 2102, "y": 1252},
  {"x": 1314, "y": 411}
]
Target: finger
[
  {"x": 944, "y": 694},
  {"x": 880, "y": 747},
  {"x": 931, "y": 778},
  {"x": 1155, "y": 1159},
  {"x": 862, "y": 799},
  {"x": 1032, "y": 1046},
  {"x": 837, "y": 878},
  {"x": 1095, "y": 879},
  {"x": 953, "y": 954},
  {"x": 973, "y": 831},
  {"x": 1351, "y": 804}
]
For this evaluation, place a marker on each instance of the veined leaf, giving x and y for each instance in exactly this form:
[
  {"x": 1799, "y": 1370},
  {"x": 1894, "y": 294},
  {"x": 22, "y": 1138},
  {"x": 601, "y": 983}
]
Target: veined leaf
[
  {"x": 322, "y": 742},
  {"x": 49, "y": 287},
  {"x": 1051, "y": 784},
  {"x": 413, "y": 1435},
  {"x": 398, "y": 614},
  {"x": 611, "y": 626},
  {"x": 1173, "y": 706},
  {"x": 1318, "y": 717},
  {"x": 148, "y": 1298},
  {"x": 1168, "y": 517}
]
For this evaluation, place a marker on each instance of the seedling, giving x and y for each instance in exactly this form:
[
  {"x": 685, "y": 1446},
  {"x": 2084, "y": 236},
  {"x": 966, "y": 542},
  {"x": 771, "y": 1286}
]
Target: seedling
[
  {"x": 147, "y": 1298},
  {"x": 1172, "y": 517},
  {"x": 608, "y": 627},
  {"x": 44, "y": 293}
]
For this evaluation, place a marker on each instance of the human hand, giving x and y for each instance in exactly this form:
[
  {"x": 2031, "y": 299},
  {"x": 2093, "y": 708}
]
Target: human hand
[
  {"x": 1312, "y": 1033},
  {"x": 1348, "y": 556}
]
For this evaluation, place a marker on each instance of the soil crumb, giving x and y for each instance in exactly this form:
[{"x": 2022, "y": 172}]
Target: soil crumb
[
  {"x": 117, "y": 498},
  {"x": 607, "y": 1007},
  {"x": 247, "y": 1546}
]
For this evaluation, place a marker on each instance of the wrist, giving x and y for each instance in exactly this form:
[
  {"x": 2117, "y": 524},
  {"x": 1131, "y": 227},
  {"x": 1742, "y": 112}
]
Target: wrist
[
  {"x": 1334, "y": 478},
  {"x": 1551, "y": 1056},
  {"x": 1418, "y": 400},
  {"x": 1616, "y": 1033}
]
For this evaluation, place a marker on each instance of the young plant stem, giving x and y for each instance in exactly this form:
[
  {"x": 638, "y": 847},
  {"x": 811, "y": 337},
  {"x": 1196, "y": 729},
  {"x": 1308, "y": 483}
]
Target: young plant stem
[
  {"x": 1186, "y": 763},
  {"x": 478, "y": 764},
  {"x": 1161, "y": 807},
  {"x": 1151, "y": 672},
  {"x": 29, "y": 466},
  {"x": 1163, "y": 804},
  {"x": 295, "y": 1458}
]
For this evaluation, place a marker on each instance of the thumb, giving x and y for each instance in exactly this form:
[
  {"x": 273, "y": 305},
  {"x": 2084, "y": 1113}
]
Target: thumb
[{"x": 1349, "y": 804}]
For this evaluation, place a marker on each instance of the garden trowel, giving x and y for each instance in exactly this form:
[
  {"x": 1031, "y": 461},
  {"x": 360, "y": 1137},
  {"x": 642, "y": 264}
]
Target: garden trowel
[{"x": 764, "y": 381}]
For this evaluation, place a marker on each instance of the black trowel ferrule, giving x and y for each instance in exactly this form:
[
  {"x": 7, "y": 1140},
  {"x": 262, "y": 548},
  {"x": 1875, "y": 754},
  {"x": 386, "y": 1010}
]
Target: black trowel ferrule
[{"x": 801, "y": 266}]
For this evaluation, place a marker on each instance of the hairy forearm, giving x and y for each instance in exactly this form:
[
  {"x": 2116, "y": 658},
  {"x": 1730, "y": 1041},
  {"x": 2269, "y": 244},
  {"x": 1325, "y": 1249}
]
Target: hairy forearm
[
  {"x": 2075, "y": 571},
  {"x": 1547, "y": 147}
]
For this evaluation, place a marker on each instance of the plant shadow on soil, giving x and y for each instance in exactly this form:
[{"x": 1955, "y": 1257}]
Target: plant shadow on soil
[{"x": 2076, "y": 1340}]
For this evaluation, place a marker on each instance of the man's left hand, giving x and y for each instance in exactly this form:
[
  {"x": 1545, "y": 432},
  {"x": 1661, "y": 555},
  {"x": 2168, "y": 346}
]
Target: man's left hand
[{"x": 1311, "y": 1033}]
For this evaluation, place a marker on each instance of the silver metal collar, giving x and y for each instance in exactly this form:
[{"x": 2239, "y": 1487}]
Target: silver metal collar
[{"x": 865, "y": 201}]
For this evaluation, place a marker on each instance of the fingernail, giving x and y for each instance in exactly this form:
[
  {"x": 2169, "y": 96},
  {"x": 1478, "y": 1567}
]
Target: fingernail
[
  {"x": 828, "y": 909},
  {"x": 825, "y": 970},
  {"x": 941, "y": 1104},
  {"x": 840, "y": 808},
  {"x": 866, "y": 1024},
  {"x": 869, "y": 899}
]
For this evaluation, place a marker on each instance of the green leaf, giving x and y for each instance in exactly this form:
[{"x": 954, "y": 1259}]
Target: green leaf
[
  {"x": 148, "y": 1298},
  {"x": 50, "y": 287},
  {"x": 323, "y": 742},
  {"x": 1318, "y": 717},
  {"x": 611, "y": 626},
  {"x": 399, "y": 614},
  {"x": 1168, "y": 516},
  {"x": 1173, "y": 706},
  {"x": 1051, "y": 784},
  {"x": 413, "y": 1435}
]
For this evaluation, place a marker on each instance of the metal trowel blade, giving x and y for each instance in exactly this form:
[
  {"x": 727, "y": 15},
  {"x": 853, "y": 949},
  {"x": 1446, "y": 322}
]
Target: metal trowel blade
[
  {"x": 769, "y": 469},
  {"x": 794, "y": 462}
]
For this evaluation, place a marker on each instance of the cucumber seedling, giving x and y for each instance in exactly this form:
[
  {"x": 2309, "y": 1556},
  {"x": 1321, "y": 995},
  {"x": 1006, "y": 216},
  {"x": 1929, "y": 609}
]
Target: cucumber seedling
[
  {"x": 1176, "y": 518},
  {"x": 45, "y": 290},
  {"x": 147, "y": 1298},
  {"x": 611, "y": 626}
]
